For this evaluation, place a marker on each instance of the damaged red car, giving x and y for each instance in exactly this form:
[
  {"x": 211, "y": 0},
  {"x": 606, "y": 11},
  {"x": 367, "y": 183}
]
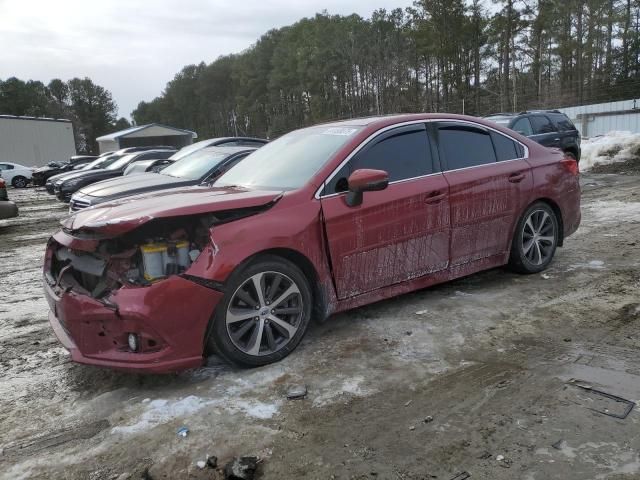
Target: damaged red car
[{"x": 321, "y": 220}]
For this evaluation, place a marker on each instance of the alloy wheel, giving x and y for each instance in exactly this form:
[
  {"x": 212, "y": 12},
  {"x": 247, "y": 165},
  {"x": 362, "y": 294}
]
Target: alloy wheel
[
  {"x": 20, "y": 183},
  {"x": 264, "y": 313},
  {"x": 538, "y": 237}
]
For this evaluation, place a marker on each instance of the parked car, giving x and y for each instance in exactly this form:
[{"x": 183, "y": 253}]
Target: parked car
[
  {"x": 100, "y": 162},
  {"x": 40, "y": 175},
  {"x": 8, "y": 209},
  {"x": 149, "y": 166},
  {"x": 204, "y": 165},
  {"x": 343, "y": 215},
  {"x": 15, "y": 174},
  {"x": 68, "y": 185},
  {"x": 81, "y": 159},
  {"x": 103, "y": 161},
  {"x": 550, "y": 128}
]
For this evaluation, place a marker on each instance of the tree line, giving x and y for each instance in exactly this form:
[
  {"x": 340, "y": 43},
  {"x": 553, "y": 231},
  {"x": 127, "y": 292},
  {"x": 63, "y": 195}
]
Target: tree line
[
  {"x": 461, "y": 56},
  {"x": 89, "y": 106}
]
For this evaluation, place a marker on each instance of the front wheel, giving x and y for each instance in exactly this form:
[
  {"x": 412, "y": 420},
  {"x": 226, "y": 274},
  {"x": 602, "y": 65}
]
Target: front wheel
[
  {"x": 536, "y": 239},
  {"x": 264, "y": 313},
  {"x": 19, "y": 182}
]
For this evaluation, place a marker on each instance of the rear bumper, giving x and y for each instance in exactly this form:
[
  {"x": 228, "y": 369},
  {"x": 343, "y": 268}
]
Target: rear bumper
[{"x": 170, "y": 319}]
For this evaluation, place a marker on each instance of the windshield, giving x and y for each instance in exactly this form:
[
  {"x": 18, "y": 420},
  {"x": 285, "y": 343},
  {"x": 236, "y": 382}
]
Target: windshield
[
  {"x": 195, "y": 166},
  {"x": 504, "y": 121},
  {"x": 184, "y": 151},
  {"x": 119, "y": 162},
  {"x": 290, "y": 161}
]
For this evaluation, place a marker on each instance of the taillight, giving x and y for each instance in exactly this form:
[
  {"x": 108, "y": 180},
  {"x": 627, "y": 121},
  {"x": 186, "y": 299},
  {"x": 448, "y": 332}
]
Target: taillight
[{"x": 571, "y": 165}]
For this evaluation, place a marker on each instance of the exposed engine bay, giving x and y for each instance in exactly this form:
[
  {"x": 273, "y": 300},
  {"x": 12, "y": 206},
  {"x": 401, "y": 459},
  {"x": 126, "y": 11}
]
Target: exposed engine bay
[{"x": 150, "y": 253}]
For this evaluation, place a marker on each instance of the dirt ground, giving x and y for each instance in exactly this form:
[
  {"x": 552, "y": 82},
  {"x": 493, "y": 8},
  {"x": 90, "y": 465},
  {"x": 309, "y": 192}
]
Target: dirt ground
[{"x": 472, "y": 379}]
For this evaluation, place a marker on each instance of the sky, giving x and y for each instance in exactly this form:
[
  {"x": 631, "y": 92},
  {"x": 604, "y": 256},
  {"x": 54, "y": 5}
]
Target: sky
[{"x": 134, "y": 47}]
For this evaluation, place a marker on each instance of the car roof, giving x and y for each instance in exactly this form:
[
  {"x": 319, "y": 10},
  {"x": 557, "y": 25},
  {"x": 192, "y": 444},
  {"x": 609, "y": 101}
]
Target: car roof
[{"x": 374, "y": 123}]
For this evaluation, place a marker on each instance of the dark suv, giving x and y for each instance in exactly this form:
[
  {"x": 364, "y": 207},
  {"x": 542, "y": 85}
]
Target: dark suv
[{"x": 550, "y": 128}]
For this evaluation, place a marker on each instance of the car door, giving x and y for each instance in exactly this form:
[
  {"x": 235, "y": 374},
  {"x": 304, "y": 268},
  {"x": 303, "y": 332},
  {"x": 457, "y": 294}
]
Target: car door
[
  {"x": 544, "y": 131},
  {"x": 7, "y": 172},
  {"x": 489, "y": 181},
  {"x": 395, "y": 234}
]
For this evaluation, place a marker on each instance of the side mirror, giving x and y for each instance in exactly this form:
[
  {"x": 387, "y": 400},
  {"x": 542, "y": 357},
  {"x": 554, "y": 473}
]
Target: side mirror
[{"x": 365, "y": 180}]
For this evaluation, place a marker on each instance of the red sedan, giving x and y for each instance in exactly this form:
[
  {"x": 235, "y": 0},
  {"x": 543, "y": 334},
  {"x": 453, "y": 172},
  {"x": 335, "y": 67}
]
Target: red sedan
[{"x": 321, "y": 220}]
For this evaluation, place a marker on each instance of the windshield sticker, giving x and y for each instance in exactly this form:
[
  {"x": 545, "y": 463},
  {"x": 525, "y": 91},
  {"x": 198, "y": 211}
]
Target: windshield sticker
[{"x": 340, "y": 131}]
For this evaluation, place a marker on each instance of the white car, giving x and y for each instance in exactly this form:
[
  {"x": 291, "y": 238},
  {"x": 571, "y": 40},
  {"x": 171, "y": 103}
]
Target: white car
[{"x": 15, "y": 174}]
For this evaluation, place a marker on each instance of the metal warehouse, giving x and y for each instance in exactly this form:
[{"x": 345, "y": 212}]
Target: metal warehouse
[
  {"x": 145, "y": 136},
  {"x": 32, "y": 141},
  {"x": 602, "y": 118}
]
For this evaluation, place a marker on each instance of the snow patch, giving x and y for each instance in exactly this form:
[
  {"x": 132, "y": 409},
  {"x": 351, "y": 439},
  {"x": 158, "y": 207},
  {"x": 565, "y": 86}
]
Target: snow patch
[
  {"x": 613, "y": 211},
  {"x": 350, "y": 386},
  {"x": 610, "y": 148},
  {"x": 162, "y": 411}
]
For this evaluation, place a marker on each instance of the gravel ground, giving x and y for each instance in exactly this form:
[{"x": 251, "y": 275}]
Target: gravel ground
[{"x": 473, "y": 376}]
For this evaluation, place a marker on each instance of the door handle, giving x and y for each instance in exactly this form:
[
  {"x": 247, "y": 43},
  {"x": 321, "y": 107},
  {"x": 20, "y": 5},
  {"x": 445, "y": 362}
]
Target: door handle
[
  {"x": 516, "y": 177},
  {"x": 434, "y": 197}
]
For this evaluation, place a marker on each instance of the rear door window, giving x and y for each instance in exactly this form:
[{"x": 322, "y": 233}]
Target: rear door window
[
  {"x": 465, "y": 146},
  {"x": 563, "y": 123},
  {"x": 506, "y": 149},
  {"x": 523, "y": 127},
  {"x": 403, "y": 153},
  {"x": 541, "y": 124}
]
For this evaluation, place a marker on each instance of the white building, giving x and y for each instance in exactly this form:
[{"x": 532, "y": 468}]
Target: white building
[
  {"x": 602, "y": 118},
  {"x": 32, "y": 141},
  {"x": 153, "y": 134}
]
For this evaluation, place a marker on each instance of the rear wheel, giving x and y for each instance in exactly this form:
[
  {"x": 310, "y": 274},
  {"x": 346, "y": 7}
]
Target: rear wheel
[
  {"x": 536, "y": 239},
  {"x": 264, "y": 313},
  {"x": 19, "y": 182}
]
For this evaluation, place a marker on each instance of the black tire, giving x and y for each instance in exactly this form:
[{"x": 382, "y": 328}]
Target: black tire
[
  {"x": 220, "y": 340},
  {"x": 19, "y": 182},
  {"x": 541, "y": 249}
]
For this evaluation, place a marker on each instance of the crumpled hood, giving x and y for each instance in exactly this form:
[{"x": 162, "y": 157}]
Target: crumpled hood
[{"x": 120, "y": 216}]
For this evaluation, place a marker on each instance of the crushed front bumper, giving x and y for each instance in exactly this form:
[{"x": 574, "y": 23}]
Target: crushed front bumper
[{"x": 170, "y": 319}]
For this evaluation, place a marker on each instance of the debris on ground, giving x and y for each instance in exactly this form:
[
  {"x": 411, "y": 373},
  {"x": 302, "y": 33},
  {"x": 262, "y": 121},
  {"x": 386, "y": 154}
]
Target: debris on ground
[
  {"x": 296, "y": 392},
  {"x": 243, "y": 468},
  {"x": 182, "y": 432},
  {"x": 212, "y": 461},
  {"x": 428, "y": 419},
  {"x": 408, "y": 403},
  {"x": 201, "y": 464},
  {"x": 462, "y": 476},
  {"x": 412, "y": 428},
  {"x": 558, "y": 444}
]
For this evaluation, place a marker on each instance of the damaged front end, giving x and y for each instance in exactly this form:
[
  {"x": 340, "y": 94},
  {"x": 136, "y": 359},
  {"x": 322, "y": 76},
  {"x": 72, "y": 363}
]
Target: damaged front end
[{"x": 128, "y": 301}]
